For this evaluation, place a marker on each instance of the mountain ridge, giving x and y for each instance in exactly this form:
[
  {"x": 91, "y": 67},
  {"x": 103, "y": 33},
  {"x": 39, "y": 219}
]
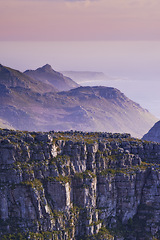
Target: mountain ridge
[
  {"x": 26, "y": 107},
  {"x": 47, "y": 75},
  {"x": 14, "y": 78}
]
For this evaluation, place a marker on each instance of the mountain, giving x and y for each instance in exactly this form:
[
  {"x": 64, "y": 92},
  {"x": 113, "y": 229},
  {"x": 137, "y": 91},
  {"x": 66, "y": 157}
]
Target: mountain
[
  {"x": 82, "y": 76},
  {"x": 47, "y": 75},
  {"x": 107, "y": 109},
  {"x": 11, "y": 78},
  {"x": 77, "y": 185},
  {"x": 153, "y": 134},
  {"x": 26, "y": 105},
  {"x": 17, "y": 92}
]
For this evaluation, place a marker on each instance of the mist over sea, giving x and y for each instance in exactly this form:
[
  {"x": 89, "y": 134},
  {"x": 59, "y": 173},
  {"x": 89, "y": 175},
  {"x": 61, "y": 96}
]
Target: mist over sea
[{"x": 132, "y": 67}]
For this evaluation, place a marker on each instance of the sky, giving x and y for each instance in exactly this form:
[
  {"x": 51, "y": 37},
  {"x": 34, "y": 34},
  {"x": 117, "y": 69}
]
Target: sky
[
  {"x": 118, "y": 37},
  {"x": 79, "y": 20}
]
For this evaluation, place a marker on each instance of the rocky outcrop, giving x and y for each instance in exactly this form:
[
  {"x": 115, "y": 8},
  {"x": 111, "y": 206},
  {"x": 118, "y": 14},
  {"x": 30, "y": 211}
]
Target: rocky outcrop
[
  {"x": 77, "y": 185},
  {"x": 153, "y": 134}
]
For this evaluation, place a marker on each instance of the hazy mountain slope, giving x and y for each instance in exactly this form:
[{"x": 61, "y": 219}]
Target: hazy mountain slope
[
  {"x": 82, "y": 108},
  {"x": 107, "y": 109},
  {"x": 47, "y": 75},
  {"x": 11, "y": 78},
  {"x": 17, "y": 92},
  {"x": 153, "y": 134}
]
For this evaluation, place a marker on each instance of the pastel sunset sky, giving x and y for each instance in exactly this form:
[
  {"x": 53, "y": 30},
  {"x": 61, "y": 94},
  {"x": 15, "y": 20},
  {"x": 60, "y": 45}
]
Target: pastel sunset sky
[
  {"x": 76, "y": 20},
  {"x": 118, "y": 37}
]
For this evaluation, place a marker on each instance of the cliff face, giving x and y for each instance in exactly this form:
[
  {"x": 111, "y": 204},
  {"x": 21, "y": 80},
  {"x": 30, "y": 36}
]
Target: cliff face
[{"x": 78, "y": 186}]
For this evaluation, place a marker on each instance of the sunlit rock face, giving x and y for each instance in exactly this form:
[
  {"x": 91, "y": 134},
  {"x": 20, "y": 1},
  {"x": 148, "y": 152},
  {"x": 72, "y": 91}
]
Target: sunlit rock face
[{"x": 76, "y": 185}]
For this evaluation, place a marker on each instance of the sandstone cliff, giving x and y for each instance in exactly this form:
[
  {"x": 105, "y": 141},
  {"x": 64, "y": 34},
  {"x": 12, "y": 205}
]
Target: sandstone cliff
[{"x": 77, "y": 185}]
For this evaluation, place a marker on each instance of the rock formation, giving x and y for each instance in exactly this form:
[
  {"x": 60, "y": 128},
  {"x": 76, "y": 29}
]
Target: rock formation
[
  {"x": 76, "y": 185},
  {"x": 153, "y": 134}
]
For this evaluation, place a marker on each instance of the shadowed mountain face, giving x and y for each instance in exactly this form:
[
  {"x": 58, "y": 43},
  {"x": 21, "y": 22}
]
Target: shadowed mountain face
[
  {"x": 47, "y": 75},
  {"x": 82, "y": 108},
  {"x": 153, "y": 134}
]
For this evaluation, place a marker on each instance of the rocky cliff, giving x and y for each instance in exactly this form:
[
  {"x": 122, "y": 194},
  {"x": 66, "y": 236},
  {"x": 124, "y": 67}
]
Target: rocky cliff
[
  {"x": 75, "y": 185},
  {"x": 153, "y": 134}
]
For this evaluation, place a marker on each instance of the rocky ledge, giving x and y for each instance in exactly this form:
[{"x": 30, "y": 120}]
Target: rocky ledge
[{"x": 76, "y": 185}]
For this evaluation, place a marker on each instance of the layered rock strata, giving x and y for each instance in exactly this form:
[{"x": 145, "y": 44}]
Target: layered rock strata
[{"x": 77, "y": 185}]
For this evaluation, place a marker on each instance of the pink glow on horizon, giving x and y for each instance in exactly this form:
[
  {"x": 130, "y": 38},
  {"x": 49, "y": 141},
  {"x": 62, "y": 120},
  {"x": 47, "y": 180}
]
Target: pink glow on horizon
[{"x": 79, "y": 20}]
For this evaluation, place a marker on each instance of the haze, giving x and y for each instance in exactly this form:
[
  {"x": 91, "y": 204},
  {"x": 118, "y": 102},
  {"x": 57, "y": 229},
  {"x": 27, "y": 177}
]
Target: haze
[{"x": 120, "y": 38}]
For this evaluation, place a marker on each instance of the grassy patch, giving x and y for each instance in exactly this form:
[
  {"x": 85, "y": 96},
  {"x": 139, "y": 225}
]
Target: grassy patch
[{"x": 34, "y": 184}]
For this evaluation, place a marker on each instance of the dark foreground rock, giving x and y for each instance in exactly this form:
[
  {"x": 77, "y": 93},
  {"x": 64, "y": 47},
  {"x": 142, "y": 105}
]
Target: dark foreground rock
[{"x": 77, "y": 185}]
